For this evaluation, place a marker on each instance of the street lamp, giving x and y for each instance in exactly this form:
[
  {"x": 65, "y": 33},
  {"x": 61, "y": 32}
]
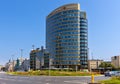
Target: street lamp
[{"x": 49, "y": 63}]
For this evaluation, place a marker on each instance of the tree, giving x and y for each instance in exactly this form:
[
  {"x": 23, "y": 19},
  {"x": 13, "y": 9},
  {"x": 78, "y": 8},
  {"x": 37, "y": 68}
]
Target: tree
[{"x": 106, "y": 65}]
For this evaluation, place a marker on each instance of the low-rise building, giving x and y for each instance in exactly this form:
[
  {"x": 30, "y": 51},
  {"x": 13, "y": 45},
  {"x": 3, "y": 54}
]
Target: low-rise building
[
  {"x": 25, "y": 65},
  {"x": 18, "y": 65},
  {"x": 94, "y": 64},
  {"x": 115, "y": 60},
  {"x": 39, "y": 59},
  {"x": 34, "y": 59},
  {"x": 10, "y": 66}
]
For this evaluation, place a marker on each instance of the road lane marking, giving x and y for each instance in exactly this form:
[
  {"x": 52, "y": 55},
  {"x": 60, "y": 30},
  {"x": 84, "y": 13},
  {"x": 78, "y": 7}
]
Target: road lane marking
[
  {"x": 7, "y": 79},
  {"x": 17, "y": 80},
  {"x": 75, "y": 82}
]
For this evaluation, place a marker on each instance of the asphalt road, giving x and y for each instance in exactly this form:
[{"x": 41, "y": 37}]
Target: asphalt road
[{"x": 9, "y": 79}]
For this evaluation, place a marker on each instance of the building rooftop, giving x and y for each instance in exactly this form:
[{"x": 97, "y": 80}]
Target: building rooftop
[{"x": 75, "y": 6}]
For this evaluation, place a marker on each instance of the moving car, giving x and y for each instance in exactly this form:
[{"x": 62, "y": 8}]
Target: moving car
[
  {"x": 112, "y": 73},
  {"x": 109, "y": 73},
  {"x": 117, "y": 73}
]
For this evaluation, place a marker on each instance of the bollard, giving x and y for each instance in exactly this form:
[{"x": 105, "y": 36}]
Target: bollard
[{"x": 92, "y": 78}]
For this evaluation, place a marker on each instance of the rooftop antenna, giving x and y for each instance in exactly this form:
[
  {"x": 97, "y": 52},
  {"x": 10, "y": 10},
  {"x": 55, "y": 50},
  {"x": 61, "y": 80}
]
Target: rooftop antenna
[
  {"x": 12, "y": 57},
  {"x": 92, "y": 56},
  {"x": 33, "y": 46},
  {"x": 12, "y": 63},
  {"x": 21, "y": 53}
]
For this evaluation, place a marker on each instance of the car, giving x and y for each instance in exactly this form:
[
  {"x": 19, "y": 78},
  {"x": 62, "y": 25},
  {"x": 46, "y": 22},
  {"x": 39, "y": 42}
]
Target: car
[
  {"x": 117, "y": 73},
  {"x": 109, "y": 73}
]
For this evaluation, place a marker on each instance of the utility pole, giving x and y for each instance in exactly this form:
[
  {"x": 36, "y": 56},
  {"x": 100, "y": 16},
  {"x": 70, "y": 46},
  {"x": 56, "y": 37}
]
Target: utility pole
[
  {"x": 12, "y": 63},
  {"x": 21, "y": 58},
  {"x": 92, "y": 56},
  {"x": 49, "y": 63},
  {"x": 21, "y": 53}
]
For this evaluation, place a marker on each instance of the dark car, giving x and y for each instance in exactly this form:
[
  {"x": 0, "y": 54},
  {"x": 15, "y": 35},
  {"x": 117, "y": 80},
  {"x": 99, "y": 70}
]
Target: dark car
[{"x": 109, "y": 73}]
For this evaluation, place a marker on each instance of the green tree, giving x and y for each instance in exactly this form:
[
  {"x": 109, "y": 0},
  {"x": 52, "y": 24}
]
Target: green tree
[{"x": 106, "y": 65}]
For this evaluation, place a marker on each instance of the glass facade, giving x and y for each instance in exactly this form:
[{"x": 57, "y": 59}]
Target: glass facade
[{"x": 67, "y": 37}]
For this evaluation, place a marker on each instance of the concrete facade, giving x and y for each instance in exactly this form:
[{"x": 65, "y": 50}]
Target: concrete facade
[
  {"x": 115, "y": 60},
  {"x": 94, "y": 64},
  {"x": 39, "y": 59},
  {"x": 10, "y": 66},
  {"x": 25, "y": 65}
]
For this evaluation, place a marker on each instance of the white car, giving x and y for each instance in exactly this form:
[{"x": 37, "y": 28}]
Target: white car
[{"x": 117, "y": 73}]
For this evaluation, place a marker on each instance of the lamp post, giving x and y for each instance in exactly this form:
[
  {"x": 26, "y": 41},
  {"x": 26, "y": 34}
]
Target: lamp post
[{"x": 49, "y": 63}]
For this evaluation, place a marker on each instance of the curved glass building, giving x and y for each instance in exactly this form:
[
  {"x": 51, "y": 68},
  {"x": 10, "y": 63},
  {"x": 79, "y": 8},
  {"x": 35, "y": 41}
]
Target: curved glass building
[{"x": 67, "y": 37}]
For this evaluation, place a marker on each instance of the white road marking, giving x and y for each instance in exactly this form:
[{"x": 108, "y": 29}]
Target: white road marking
[
  {"x": 17, "y": 80},
  {"x": 7, "y": 79},
  {"x": 47, "y": 83},
  {"x": 75, "y": 82}
]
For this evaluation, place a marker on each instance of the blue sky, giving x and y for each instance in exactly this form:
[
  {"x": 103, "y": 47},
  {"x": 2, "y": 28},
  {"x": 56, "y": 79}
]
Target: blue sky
[{"x": 22, "y": 24}]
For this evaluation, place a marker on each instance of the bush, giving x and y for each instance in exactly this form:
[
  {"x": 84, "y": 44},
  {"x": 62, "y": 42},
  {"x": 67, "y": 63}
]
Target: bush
[{"x": 54, "y": 73}]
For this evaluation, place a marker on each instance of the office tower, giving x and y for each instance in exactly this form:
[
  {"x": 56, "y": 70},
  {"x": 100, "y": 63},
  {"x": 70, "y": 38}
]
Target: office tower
[{"x": 67, "y": 37}]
